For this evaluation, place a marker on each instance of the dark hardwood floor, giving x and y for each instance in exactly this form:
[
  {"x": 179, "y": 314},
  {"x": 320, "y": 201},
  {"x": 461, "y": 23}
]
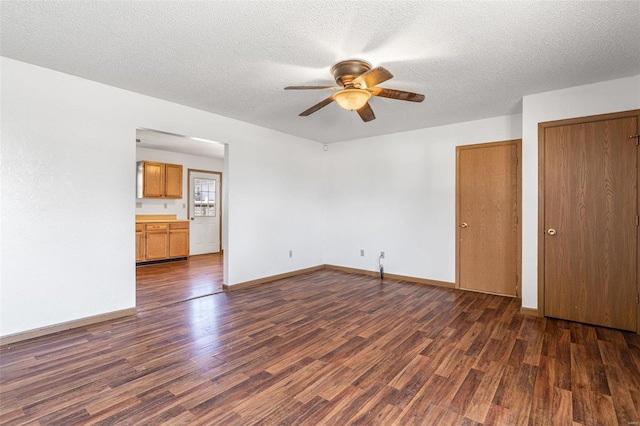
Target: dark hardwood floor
[
  {"x": 327, "y": 348},
  {"x": 162, "y": 284}
]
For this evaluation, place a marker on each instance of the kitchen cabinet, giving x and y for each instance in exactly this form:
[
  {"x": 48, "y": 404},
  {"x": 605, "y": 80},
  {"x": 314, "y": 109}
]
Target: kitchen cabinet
[
  {"x": 156, "y": 241},
  {"x": 158, "y": 180},
  {"x": 173, "y": 181},
  {"x": 178, "y": 239},
  {"x": 140, "y": 242},
  {"x": 161, "y": 240}
]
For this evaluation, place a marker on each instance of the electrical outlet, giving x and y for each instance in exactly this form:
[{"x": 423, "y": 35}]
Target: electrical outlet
[
  {"x": 381, "y": 255},
  {"x": 290, "y": 253},
  {"x": 138, "y": 205},
  {"x": 361, "y": 252},
  {"x": 165, "y": 205}
]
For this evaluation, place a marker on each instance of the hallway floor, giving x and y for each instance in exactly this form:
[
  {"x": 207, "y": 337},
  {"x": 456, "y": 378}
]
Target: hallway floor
[{"x": 164, "y": 284}]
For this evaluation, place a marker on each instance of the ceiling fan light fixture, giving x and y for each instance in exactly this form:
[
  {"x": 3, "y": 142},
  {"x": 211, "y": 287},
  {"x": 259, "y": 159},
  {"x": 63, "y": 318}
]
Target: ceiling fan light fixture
[
  {"x": 352, "y": 99},
  {"x": 357, "y": 83}
]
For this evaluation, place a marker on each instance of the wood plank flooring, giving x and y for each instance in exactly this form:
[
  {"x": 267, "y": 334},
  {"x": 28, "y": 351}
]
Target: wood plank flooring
[
  {"x": 162, "y": 284},
  {"x": 326, "y": 348}
]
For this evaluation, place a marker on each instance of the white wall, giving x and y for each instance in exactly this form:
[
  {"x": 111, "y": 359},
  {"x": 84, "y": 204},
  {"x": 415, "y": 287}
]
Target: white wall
[
  {"x": 282, "y": 206},
  {"x": 177, "y": 206},
  {"x": 66, "y": 205},
  {"x": 600, "y": 98},
  {"x": 68, "y": 246},
  {"x": 396, "y": 193}
]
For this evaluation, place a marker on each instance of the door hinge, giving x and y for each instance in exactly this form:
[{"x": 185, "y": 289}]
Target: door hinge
[
  {"x": 637, "y": 220},
  {"x": 637, "y": 298}
]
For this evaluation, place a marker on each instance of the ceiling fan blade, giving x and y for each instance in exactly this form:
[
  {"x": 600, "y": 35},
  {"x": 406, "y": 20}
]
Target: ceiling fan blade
[
  {"x": 396, "y": 94},
  {"x": 366, "y": 113},
  {"x": 311, "y": 88},
  {"x": 316, "y": 107},
  {"x": 372, "y": 78}
]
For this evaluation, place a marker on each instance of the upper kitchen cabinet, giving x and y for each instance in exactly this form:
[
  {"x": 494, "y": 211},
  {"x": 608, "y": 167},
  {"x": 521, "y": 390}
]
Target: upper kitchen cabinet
[
  {"x": 159, "y": 180},
  {"x": 173, "y": 181}
]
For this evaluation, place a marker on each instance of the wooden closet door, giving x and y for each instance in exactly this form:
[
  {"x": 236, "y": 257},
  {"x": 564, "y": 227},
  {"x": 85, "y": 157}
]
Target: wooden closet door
[
  {"x": 590, "y": 209},
  {"x": 488, "y": 233}
]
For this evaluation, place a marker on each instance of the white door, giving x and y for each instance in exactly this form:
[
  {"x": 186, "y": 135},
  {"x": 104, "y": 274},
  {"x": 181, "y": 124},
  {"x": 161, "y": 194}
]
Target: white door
[{"x": 204, "y": 212}]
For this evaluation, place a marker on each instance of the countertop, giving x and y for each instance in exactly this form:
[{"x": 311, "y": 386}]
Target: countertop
[{"x": 161, "y": 220}]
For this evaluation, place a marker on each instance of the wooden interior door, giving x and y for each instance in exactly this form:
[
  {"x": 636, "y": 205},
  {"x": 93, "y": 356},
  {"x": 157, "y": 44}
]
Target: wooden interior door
[
  {"x": 590, "y": 208},
  {"x": 488, "y": 233}
]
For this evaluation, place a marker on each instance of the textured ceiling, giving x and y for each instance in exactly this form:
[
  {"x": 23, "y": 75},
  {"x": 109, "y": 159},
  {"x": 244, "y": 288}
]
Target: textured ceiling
[{"x": 471, "y": 60}]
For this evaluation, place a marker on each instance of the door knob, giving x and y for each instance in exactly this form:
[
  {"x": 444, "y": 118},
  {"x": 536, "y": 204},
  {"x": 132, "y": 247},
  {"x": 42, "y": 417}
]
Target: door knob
[
  {"x": 192, "y": 218},
  {"x": 551, "y": 231},
  {"x": 463, "y": 225}
]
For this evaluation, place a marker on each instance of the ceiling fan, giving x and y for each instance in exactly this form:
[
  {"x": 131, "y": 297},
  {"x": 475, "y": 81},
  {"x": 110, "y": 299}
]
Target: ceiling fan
[{"x": 357, "y": 81}]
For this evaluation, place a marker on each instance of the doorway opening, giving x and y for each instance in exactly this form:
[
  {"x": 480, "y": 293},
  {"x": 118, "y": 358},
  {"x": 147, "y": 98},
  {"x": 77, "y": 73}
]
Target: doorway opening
[{"x": 192, "y": 217}]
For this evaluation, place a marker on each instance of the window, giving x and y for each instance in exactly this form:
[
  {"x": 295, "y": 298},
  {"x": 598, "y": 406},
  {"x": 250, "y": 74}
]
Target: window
[{"x": 204, "y": 196}]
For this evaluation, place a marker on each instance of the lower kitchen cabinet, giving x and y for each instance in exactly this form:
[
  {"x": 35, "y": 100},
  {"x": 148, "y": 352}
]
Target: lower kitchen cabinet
[
  {"x": 140, "y": 250},
  {"x": 178, "y": 240},
  {"x": 157, "y": 242},
  {"x": 161, "y": 241}
]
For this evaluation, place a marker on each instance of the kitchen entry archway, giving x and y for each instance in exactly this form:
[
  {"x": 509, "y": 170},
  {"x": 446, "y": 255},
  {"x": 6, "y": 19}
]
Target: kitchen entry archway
[
  {"x": 204, "y": 188},
  {"x": 169, "y": 282}
]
